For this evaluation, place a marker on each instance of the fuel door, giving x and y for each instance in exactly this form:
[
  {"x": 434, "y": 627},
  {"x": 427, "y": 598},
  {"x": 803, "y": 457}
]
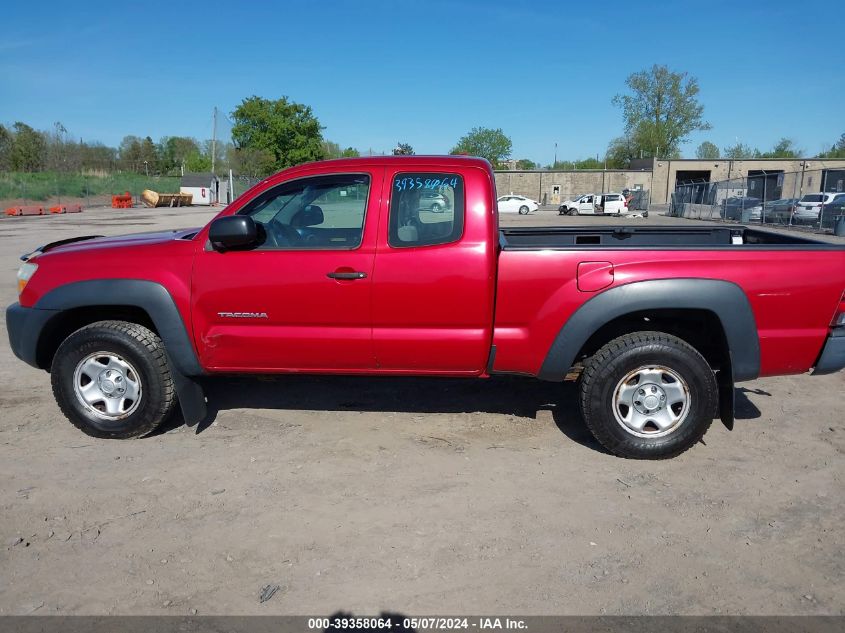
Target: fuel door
[{"x": 594, "y": 276}]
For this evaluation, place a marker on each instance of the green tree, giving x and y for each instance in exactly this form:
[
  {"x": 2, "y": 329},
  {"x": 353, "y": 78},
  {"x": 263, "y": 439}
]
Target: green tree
[
  {"x": 620, "y": 152},
  {"x": 707, "y": 150},
  {"x": 487, "y": 143},
  {"x": 5, "y": 148},
  {"x": 524, "y": 163},
  {"x": 661, "y": 109},
  {"x": 28, "y": 150},
  {"x": 740, "y": 150},
  {"x": 197, "y": 161},
  {"x": 61, "y": 153},
  {"x": 837, "y": 150},
  {"x": 784, "y": 148},
  {"x": 148, "y": 156},
  {"x": 350, "y": 152},
  {"x": 173, "y": 151},
  {"x": 130, "y": 154},
  {"x": 96, "y": 156},
  {"x": 287, "y": 131},
  {"x": 255, "y": 163},
  {"x": 403, "y": 149}
]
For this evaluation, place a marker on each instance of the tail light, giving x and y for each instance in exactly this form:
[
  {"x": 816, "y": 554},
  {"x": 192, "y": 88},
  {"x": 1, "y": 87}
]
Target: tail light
[
  {"x": 839, "y": 317},
  {"x": 625, "y": 202}
]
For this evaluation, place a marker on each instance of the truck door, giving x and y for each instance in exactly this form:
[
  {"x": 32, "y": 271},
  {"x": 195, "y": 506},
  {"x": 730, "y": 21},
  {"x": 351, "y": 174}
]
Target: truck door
[
  {"x": 586, "y": 205},
  {"x": 301, "y": 299},
  {"x": 434, "y": 278}
]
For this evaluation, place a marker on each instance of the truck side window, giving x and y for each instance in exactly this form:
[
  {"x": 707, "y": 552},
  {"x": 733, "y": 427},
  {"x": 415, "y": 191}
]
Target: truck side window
[
  {"x": 425, "y": 209},
  {"x": 319, "y": 213}
]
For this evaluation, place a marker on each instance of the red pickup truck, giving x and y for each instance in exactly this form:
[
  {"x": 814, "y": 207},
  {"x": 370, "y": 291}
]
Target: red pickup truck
[{"x": 345, "y": 267}]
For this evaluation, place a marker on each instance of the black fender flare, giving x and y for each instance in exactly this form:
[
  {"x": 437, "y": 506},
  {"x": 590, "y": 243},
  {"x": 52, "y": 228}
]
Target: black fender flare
[
  {"x": 156, "y": 301},
  {"x": 723, "y": 298}
]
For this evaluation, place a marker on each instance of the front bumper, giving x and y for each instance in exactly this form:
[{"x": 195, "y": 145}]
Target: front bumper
[
  {"x": 25, "y": 326},
  {"x": 832, "y": 358}
]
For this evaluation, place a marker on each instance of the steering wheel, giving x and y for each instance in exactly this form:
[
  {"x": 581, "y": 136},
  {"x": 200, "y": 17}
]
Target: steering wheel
[{"x": 279, "y": 234}]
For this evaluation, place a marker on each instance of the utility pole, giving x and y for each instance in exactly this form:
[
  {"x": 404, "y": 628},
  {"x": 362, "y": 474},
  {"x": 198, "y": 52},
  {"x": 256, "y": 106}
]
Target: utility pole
[
  {"x": 555, "y": 163},
  {"x": 213, "y": 138}
]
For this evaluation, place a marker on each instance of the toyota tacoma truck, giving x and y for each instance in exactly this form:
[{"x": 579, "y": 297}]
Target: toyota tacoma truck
[{"x": 338, "y": 267}]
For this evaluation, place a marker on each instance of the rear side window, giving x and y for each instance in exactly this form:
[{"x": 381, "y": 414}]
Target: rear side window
[
  {"x": 425, "y": 209},
  {"x": 812, "y": 197}
]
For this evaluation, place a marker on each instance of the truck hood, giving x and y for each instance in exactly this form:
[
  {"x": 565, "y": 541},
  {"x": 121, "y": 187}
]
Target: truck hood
[{"x": 93, "y": 242}]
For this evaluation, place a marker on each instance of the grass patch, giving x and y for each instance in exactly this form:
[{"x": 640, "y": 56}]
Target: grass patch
[{"x": 45, "y": 185}]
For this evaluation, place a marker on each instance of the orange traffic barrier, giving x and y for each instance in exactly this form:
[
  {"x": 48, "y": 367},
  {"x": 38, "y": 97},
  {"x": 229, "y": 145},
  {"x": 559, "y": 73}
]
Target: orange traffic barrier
[
  {"x": 122, "y": 201},
  {"x": 25, "y": 210},
  {"x": 66, "y": 208}
]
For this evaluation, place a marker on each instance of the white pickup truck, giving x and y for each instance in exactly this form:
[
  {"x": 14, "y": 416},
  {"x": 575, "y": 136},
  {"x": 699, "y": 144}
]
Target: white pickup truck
[{"x": 595, "y": 204}]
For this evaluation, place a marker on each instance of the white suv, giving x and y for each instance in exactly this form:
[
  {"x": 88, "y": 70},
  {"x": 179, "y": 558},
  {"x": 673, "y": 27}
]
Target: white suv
[{"x": 808, "y": 207}]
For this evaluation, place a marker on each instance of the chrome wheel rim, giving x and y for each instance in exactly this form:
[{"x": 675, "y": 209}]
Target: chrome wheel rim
[
  {"x": 107, "y": 386},
  {"x": 651, "y": 401}
]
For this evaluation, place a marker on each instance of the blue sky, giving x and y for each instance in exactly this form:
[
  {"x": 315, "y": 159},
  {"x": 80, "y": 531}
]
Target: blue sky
[{"x": 378, "y": 72}]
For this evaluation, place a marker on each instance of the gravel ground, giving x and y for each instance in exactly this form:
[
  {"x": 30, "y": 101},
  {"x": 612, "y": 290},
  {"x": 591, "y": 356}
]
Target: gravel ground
[{"x": 409, "y": 495}]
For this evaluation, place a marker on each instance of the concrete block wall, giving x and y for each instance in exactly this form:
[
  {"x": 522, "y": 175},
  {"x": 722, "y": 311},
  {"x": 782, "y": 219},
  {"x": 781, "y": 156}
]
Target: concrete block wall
[
  {"x": 665, "y": 173},
  {"x": 536, "y": 184}
]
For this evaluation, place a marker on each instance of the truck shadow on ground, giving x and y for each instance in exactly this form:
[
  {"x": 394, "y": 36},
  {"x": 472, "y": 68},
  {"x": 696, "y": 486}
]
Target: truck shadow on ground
[{"x": 499, "y": 395}]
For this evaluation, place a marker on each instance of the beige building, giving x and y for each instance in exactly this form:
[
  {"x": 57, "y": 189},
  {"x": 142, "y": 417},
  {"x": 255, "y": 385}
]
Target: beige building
[{"x": 770, "y": 178}]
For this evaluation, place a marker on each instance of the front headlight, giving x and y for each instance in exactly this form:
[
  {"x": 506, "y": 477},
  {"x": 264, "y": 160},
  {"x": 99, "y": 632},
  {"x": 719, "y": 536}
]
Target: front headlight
[{"x": 25, "y": 273}]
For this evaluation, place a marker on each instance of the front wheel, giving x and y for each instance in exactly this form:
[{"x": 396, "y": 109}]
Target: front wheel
[
  {"x": 523, "y": 210},
  {"x": 112, "y": 381},
  {"x": 572, "y": 212},
  {"x": 648, "y": 395}
]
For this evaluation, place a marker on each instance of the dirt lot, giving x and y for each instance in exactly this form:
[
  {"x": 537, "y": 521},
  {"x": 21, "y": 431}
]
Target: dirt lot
[{"x": 414, "y": 496}]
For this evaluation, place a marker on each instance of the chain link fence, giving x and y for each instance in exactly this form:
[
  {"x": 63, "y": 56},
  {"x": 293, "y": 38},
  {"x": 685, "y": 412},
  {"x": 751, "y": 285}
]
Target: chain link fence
[
  {"x": 96, "y": 188},
  {"x": 812, "y": 199}
]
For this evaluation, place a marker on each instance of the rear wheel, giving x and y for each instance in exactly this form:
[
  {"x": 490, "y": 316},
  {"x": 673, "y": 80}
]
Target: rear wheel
[
  {"x": 111, "y": 380},
  {"x": 648, "y": 395},
  {"x": 523, "y": 210}
]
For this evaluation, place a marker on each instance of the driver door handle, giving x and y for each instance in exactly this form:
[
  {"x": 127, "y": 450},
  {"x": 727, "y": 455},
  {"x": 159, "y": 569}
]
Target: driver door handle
[{"x": 347, "y": 275}]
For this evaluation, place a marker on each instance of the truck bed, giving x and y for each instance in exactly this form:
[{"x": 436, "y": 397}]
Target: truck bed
[{"x": 668, "y": 237}]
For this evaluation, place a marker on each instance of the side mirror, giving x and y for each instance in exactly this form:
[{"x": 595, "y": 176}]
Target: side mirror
[{"x": 233, "y": 232}]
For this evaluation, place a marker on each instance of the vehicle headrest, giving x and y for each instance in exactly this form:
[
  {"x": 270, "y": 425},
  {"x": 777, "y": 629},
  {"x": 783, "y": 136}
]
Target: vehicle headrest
[
  {"x": 309, "y": 216},
  {"x": 408, "y": 233}
]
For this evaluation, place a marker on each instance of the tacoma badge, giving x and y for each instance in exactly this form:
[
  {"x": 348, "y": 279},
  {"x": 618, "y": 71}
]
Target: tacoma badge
[{"x": 243, "y": 315}]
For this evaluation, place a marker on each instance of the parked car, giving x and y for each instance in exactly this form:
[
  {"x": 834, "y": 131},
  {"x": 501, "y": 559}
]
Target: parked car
[
  {"x": 833, "y": 211},
  {"x": 656, "y": 322},
  {"x": 733, "y": 208},
  {"x": 757, "y": 211},
  {"x": 595, "y": 204},
  {"x": 808, "y": 207},
  {"x": 782, "y": 210},
  {"x": 512, "y": 203},
  {"x": 434, "y": 201}
]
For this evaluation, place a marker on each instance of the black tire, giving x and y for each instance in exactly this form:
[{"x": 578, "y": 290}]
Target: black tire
[
  {"x": 523, "y": 210},
  {"x": 143, "y": 351},
  {"x": 571, "y": 212},
  {"x": 604, "y": 372}
]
